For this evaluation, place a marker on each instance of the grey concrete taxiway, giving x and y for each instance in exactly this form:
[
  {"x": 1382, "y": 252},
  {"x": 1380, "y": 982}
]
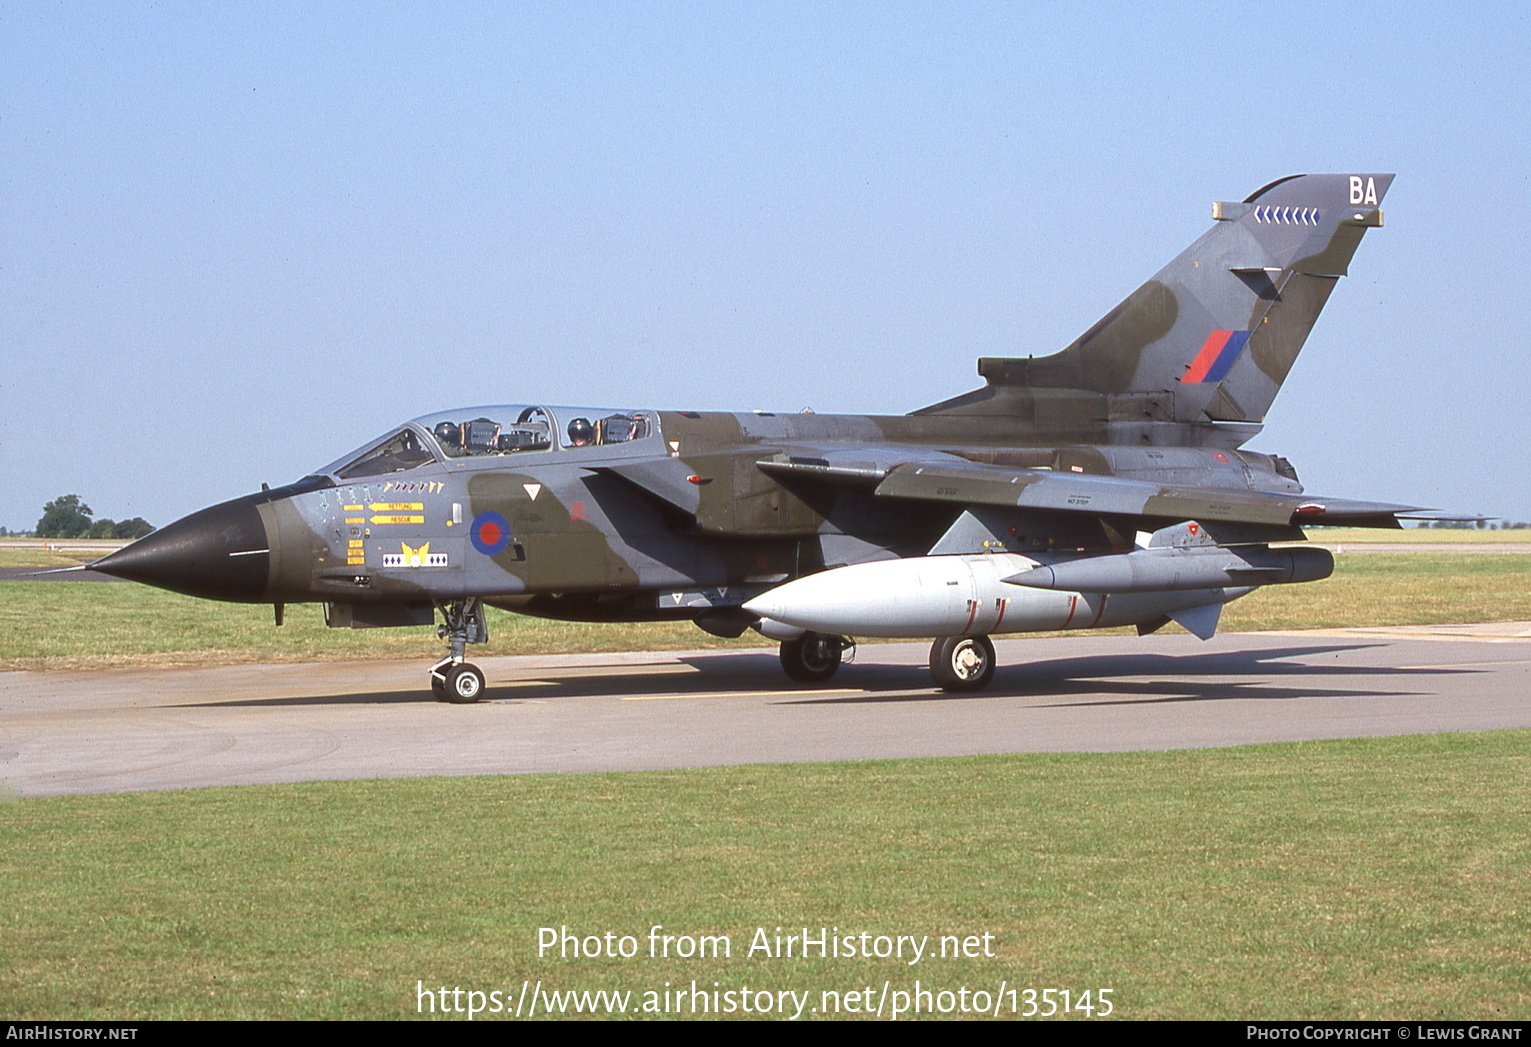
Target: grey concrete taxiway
[{"x": 126, "y": 730}]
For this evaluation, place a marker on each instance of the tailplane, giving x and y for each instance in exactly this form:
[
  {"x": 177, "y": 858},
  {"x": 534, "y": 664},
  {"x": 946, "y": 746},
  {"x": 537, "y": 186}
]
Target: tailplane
[{"x": 1212, "y": 336}]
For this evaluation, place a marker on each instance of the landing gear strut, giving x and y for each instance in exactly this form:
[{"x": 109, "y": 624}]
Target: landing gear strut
[
  {"x": 962, "y": 663},
  {"x": 813, "y": 657},
  {"x": 453, "y": 679}
]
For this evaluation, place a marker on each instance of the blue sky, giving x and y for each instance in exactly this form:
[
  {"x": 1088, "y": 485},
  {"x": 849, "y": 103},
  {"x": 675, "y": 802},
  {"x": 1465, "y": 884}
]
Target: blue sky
[{"x": 237, "y": 240}]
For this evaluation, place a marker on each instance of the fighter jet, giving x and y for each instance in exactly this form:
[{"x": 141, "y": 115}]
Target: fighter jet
[{"x": 1103, "y": 485}]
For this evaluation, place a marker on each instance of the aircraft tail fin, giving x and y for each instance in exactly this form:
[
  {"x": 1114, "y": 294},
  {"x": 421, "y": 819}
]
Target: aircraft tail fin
[{"x": 1212, "y": 336}]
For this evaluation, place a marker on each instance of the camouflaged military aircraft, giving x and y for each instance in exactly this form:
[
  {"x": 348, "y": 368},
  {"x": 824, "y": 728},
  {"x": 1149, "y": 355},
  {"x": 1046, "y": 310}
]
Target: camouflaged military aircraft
[{"x": 1102, "y": 485}]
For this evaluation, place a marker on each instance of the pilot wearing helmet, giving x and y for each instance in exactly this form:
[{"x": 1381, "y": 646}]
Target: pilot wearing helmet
[
  {"x": 581, "y": 433},
  {"x": 449, "y": 435}
]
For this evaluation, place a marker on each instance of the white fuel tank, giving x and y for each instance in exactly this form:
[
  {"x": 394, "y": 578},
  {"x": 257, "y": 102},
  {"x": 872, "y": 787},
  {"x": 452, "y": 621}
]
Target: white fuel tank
[{"x": 958, "y": 595}]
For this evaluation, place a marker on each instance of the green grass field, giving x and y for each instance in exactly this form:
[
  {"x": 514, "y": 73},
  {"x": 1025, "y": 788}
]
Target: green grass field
[
  {"x": 70, "y": 625},
  {"x": 1419, "y": 536},
  {"x": 1377, "y": 878},
  {"x": 14, "y": 553},
  {"x": 1374, "y": 878}
]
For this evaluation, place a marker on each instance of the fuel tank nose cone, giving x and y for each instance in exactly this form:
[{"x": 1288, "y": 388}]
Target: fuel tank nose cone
[{"x": 218, "y": 553}]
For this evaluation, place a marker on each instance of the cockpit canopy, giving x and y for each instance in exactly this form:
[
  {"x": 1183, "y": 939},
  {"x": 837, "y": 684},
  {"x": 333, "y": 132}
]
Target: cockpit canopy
[
  {"x": 511, "y": 430},
  {"x": 529, "y": 429},
  {"x": 400, "y": 452},
  {"x": 479, "y": 432}
]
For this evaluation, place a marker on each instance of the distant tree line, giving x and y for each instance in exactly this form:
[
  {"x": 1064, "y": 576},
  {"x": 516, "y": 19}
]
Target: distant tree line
[{"x": 70, "y": 517}]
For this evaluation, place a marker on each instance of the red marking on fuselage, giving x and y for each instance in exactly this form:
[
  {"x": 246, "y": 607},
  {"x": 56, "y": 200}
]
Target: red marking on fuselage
[
  {"x": 1001, "y": 616},
  {"x": 1073, "y": 603},
  {"x": 1101, "y": 612},
  {"x": 972, "y": 613}
]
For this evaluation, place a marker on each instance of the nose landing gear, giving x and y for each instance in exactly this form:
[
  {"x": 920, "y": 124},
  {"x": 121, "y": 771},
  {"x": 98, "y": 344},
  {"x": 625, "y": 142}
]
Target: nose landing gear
[{"x": 453, "y": 679}]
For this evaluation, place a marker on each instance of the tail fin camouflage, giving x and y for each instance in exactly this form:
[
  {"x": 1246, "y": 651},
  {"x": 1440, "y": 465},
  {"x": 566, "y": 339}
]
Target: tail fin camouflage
[{"x": 1212, "y": 336}]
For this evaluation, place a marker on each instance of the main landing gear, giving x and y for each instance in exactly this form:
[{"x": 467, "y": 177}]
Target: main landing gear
[
  {"x": 813, "y": 657},
  {"x": 962, "y": 663},
  {"x": 453, "y": 679},
  {"x": 958, "y": 663}
]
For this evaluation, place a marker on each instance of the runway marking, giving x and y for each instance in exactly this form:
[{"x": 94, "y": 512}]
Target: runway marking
[{"x": 742, "y": 694}]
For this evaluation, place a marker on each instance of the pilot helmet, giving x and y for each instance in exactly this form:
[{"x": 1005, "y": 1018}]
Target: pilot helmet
[
  {"x": 448, "y": 434},
  {"x": 581, "y": 432}
]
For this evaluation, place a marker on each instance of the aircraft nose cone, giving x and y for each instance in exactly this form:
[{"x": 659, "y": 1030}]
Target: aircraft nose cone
[{"x": 219, "y": 553}]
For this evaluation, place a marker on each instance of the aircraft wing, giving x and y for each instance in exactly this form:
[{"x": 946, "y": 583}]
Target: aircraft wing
[{"x": 941, "y": 477}]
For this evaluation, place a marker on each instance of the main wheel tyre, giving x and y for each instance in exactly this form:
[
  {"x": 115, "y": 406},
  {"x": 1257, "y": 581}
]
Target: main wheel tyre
[
  {"x": 464, "y": 684},
  {"x": 438, "y": 688},
  {"x": 812, "y": 657},
  {"x": 962, "y": 663}
]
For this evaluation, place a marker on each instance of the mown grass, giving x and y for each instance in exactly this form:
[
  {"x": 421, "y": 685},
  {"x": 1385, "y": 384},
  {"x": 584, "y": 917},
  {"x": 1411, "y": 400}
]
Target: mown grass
[
  {"x": 58, "y": 625},
  {"x": 42, "y": 559},
  {"x": 1376, "y": 878},
  {"x": 1377, "y": 589},
  {"x": 1419, "y": 536},
  {"x": 83, "y": 625},
  {"x": 14, "y": 553}
]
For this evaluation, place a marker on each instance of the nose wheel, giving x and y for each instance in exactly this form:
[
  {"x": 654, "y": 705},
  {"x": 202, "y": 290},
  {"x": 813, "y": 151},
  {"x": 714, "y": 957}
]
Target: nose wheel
[
  {"x": 962, "y": 663},
  {"x": 453, "y": 679},
  {"x": 460, "y": 683}
]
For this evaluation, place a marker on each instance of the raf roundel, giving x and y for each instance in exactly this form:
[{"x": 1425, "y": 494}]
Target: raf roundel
[{"x": 490, "y": 533}]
